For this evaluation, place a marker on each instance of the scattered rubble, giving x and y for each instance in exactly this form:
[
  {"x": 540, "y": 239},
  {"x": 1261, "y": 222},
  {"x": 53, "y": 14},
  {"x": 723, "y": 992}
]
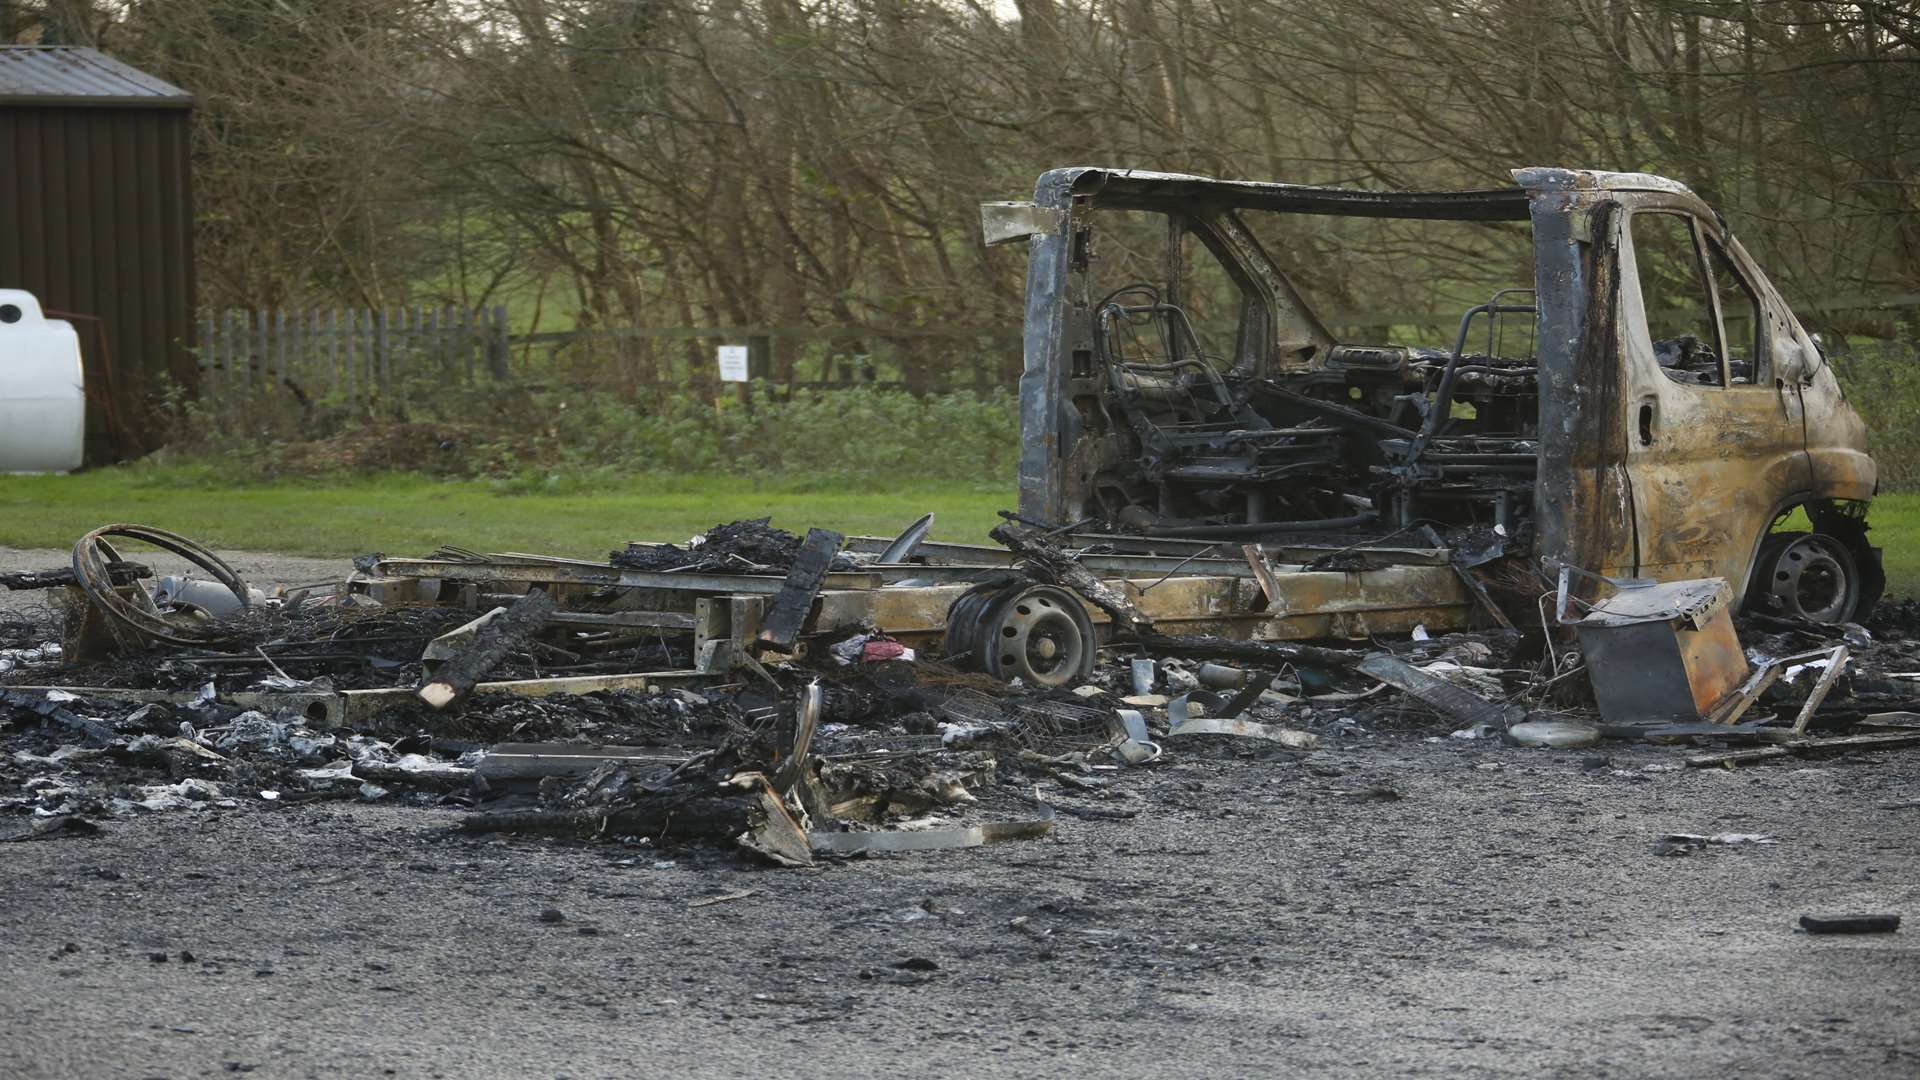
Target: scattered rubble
[
  {"x": 800, "y": 700},
  {"x": 736, "y": 547}
]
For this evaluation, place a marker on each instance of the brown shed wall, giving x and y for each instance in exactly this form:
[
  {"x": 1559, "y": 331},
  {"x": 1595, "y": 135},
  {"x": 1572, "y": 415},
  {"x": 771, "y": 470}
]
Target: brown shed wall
[{"x": 96, "y": 218}]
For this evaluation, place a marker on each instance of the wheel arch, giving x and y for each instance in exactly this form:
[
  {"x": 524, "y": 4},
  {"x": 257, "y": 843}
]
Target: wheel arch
[{"x": 1835, "y": 515}]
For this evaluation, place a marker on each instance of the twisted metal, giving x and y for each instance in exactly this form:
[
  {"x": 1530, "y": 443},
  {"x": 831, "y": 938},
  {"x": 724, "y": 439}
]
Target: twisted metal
[{"x": 92, "y": 556}]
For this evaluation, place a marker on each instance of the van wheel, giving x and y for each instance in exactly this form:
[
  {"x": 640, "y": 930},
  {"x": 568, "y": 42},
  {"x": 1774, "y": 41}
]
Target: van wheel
[
  {"x": 1040, "y": 635},
  {"x": 1805, "y": 576},
  {"x": 1850, "y": 528}
]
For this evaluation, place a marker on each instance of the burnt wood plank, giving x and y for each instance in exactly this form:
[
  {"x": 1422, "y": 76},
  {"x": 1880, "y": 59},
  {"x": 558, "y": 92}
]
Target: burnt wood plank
[
  {"x": 787, "y": 615},
  {"x": 456, "y": 678}
]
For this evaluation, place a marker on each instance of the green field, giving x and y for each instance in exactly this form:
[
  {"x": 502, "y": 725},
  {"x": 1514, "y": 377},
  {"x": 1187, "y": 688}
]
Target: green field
[
  {"x": 1896, "y": 530},
  {"x": 411, "y": 515}
]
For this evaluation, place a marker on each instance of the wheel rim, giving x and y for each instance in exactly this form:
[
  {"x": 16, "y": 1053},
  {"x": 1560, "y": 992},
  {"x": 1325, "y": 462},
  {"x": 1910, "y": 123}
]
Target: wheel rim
[
  {"x": 1034, "y": 636},
  {"x": 1812, "y": 580}
]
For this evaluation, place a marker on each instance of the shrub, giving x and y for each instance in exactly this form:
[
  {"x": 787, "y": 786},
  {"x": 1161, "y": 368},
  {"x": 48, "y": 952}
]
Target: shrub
[
  {"x": 1883, "y": 385},
  {"x": 549, "y": 438}
]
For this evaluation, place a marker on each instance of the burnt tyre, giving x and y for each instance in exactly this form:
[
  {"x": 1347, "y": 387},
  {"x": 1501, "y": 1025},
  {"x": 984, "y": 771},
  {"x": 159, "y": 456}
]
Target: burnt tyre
[
  {"x": 1039, "y": 634},
  {"x": 1806, "y": 575},
  {"x": 963, "y": 624},
  {"x": 1847, "y": 522}
]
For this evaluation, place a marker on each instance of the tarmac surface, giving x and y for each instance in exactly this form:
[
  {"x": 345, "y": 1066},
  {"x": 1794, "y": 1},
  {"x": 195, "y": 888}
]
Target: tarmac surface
[{"x": 1399, "y": 903}]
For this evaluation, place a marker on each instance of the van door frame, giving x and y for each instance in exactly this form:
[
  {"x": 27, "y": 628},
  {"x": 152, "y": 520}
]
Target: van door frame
[{"x": 1709, "y": 467}]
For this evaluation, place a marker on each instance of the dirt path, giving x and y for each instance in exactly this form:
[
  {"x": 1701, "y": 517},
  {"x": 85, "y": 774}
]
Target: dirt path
[{"x": 1507, "y": 917}]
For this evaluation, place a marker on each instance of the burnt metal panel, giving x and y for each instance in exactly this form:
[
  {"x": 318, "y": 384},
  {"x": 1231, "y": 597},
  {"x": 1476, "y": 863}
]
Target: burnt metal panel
[
  {"x": 1581, "y": 513},
  {"x": 96, "y": 220},
  {"x": 1043, "y": 380},
  {"x": 1138, "y": 189}
]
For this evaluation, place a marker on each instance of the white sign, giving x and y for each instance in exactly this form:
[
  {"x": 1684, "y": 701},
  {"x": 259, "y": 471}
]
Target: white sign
[{"x": 733, "y": 363}]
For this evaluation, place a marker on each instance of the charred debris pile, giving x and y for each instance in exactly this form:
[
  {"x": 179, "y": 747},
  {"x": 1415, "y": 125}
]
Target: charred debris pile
[{"x": 799, "y": 698}]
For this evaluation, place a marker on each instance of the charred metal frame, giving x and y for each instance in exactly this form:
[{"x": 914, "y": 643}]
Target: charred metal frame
[
  {"x": 1592, "y": 500},
  {"x": 1218, "y": 594},
  {"x": 1708, "y": 489}
]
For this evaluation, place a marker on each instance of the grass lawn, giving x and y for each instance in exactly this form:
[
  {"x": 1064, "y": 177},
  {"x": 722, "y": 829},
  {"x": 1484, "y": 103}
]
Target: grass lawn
[
  {"x": 1896, "y": 531},
  {"x": 410, "y": 515}
]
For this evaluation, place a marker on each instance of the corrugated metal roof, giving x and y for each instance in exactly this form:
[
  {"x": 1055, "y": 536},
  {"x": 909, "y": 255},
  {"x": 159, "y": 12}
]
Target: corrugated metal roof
[{"x": 72, "y": 75}]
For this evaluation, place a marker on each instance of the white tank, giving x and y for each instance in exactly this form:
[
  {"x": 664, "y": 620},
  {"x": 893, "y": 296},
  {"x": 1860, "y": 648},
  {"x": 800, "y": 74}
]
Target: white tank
[{"x": 43, "y": 398}]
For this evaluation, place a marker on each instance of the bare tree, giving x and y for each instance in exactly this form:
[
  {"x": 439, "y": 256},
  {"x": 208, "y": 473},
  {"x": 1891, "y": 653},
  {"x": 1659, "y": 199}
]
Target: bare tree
[{"x": 815, "y": 164}]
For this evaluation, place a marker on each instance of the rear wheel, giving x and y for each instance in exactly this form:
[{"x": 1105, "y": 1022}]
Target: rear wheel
[
  {"x": 1804, "y": 575},
  {"x": 1039, "y": 634}
]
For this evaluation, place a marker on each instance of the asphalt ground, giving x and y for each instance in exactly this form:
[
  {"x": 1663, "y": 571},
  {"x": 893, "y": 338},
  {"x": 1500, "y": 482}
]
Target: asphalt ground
[{"x": 1399, "y": 903}]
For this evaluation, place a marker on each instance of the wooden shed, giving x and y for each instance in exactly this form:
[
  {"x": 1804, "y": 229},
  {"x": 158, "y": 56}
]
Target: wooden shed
[{"x": 96, "y": 218}]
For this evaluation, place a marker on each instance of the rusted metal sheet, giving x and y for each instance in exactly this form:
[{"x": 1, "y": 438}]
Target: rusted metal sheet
[
  {"x": 1663, "y": 653},
  {"x": 903, "y": 612},
  {"x": 631, "y": 620},
  {"x": 727, "y": 609},
  {"x": 1349, "y": 605}
]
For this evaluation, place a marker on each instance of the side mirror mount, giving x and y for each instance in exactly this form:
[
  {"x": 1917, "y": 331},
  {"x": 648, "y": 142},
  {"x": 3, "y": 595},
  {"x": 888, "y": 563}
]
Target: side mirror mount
[
  {"x": 1797, "y": 364},
  {"x": 1005, "y": 222}
]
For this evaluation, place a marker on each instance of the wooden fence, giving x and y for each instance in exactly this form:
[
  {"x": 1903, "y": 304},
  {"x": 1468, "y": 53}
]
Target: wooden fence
[
  {"x": 355, "y": 353},
  {"x": 360, "y": 354}
]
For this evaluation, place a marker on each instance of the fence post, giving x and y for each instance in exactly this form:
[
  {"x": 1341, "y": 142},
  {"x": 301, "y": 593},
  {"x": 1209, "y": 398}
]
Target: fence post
[
  {"x": 274, "y": 362},
  {"x": 408, "y": 362},
  {"x": 346, "y": 356},
  {"x": 206, "y": 345},
  {"x": 497, "y": 343},
  {"x": 385, "y": 381},
  {"x": 465, "y": 340},
  {"x": 244, "y": 344},
  {"x": 264, "y": 346},
  {"x": 242, "y": 348},
  {"x": 397, "y": 345},
  {"x": 227, "y": 374},
  {"x": 333, "y": 352},
  {"x": 759, "y": 356},
  {"x": 243, "y": 320}
]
